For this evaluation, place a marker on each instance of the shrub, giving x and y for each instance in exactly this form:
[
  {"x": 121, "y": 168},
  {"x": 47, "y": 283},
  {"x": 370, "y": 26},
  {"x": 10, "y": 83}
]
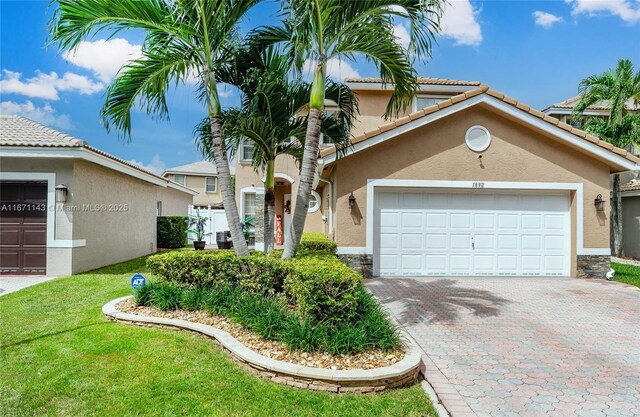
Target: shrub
[
  {"x": 264, "y": 274},
  {"x": 193, "y": 299},
  {"x": 166, "y": 297},
  {"x": 144, "y": 294},
  {"x": 171, "y": 231},
  {"x": 197, "y": 268},
  {"x": 317, "y": 242},
  {"x": 323, "y": 289}
]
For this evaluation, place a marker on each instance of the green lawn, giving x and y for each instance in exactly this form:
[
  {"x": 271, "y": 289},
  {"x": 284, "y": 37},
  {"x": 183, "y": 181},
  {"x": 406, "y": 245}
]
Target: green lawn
[
  {"x": 59, "y": 356},
  {"x": 629, "y": 274}
]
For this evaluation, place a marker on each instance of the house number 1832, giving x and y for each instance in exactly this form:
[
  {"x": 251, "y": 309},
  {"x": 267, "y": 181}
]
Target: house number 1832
[{"x": 478, "y": 185}]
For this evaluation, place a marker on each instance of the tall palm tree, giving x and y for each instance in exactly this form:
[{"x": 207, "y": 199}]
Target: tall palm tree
[
  {"x": 619, "y": 88},
  {"x": 316, "y": 31},
  {"x": 183, "y": 39},
  {"x": 273, "y": 117}
]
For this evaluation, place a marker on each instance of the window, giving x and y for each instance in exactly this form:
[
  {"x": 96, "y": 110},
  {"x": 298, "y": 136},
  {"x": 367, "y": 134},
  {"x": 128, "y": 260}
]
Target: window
[
  {"x": 180, "y": 179},
  {"x": 314, "y": 202},
  {"x": 327, "y": 113},
  {"x": 211, "y": 184},
  {"x": 478, "y": 138},
  {"x": 249, "y": 206},
  {"x": 246, "y": 151},
  {"x": 159, "y": 208},
  {"x": 423, "y": 101}
]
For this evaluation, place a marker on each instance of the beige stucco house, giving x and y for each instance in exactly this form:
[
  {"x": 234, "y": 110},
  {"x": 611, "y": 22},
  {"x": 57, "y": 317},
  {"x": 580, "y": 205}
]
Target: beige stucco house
[
  {"x": 467, "y": 182},
  {"x": 201, "y": 177},
  {"x": 68, "y": 207}
]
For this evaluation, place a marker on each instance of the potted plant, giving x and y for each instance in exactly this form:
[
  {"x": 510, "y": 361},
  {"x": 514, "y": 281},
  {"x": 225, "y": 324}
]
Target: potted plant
[
  {"x": 196, "y": 226},
  {"x": 247, "y": 226}
]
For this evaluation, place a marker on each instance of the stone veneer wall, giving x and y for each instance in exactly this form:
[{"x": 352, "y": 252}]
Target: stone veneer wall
[
  {"x": 593, "y": 266},
  {"x": 363, "y": 263}
]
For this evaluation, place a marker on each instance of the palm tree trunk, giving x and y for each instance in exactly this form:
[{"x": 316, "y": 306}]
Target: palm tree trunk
[
  {"x": 309, "y": 162},
  {"x": 616, "y": 216},
  {"x": 226, "y": 187},
  {"x": 269, "y": 208}
]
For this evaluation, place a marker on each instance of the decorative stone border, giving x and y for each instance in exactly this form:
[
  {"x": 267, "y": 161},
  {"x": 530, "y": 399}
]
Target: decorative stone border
[{"x": 402, "y": 373}]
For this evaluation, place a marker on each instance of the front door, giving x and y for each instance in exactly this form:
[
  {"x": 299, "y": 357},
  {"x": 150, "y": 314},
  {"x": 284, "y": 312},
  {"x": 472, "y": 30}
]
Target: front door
[{"x": 287, "y": 215}]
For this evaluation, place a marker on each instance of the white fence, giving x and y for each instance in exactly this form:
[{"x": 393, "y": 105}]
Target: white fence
[{"x": 216, "y": 222}]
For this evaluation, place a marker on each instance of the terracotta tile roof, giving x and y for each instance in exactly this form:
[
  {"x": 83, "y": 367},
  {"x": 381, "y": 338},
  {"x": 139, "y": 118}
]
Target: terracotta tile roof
[
  {"x": 483, "y": 89},
  {"x": 20, "y": 131},
  {"x": 421, "y": 80},
  {"x": 572, "y": 102},
  {"x": 633, "y": 185}
]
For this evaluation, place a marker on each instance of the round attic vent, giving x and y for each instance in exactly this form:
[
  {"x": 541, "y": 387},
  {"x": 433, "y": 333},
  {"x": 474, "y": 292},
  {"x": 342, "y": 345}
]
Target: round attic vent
[{"x": 478, "y": 138}]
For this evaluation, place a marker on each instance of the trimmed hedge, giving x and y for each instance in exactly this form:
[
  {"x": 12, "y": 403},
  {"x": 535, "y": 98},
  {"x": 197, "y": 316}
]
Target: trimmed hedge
[
  {"x": 317, "y": 243},
  {"x": 171, "y": 232},
  {"x": 319, "y": 287},
  {"x": 323, "y": 289}
]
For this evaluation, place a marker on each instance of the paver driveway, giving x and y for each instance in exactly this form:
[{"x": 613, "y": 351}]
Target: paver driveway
[{"x": 524, "y": 346}]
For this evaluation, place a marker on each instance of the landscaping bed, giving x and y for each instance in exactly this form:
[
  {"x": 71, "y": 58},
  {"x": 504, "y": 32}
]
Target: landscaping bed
[{"x": 270, "y": 348}]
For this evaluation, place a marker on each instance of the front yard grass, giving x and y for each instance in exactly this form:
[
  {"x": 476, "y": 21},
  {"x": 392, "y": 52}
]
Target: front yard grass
[
  {"x": 60, "y": 356},
  {"x": 629, "y": 274}
]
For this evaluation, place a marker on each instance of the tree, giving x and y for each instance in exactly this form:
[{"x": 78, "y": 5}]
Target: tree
[
  {"x": 273, "y": 117},
  {"x": 618, "y": 88},
  {"x": 183, "y": 39},
  {"x": 316, "y": 31}
]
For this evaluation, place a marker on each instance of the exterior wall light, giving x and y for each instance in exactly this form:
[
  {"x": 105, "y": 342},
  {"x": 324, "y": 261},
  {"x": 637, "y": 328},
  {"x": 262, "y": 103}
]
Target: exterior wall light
[
  {"x": 61, "y": 193},
  {"x": 599, "y": 203},
  {"x": 352, "y": 200}
]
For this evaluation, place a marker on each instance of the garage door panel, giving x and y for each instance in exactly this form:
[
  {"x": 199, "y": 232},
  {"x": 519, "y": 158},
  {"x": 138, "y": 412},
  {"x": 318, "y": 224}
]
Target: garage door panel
[
  {"x": 508, "y": 221},
  {"x": 436, "y": 220},
  {"x": 412, "y": 241},
  {"x": 23, "y": 234},
  {"x": 412, "y": 220},
  {"x": 460, "y": 220},
  {"x": 532, "y": 242},
  {"x": 436, "y": 241},
  {"x": 456, "y": 233},
  {"x": 484, "y": 242},
  {"x": 35, "y": 237},
  {"x": 460, "y": 241}
]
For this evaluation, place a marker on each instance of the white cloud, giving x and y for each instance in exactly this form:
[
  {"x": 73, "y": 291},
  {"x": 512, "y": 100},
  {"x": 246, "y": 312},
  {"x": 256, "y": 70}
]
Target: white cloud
[
  {"x": 337, "y": 69},
  {"x": 402, "y": 34},
  {"x": 47, "y": 86},
  {"x": 46, "y": 115},
  {"x": 460, "y": 22},
  {"x": 628, "y": 11},
  {"x": 156, "y": 165},
  {"x": 546, "y": 20},
  {"x": 103, "y": 57}
]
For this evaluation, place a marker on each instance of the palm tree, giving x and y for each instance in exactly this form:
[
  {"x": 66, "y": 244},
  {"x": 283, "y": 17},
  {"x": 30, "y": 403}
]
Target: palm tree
[
  {"x": 619, "y": 88},
  {"x": 316, "y": 31},
  {"x": 184, "y": 39},
  {"x": 272, "y": 117}
]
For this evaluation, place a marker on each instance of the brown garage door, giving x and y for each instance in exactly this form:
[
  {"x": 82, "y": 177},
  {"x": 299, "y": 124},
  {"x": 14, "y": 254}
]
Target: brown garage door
[{"x": 23, "y": 228}]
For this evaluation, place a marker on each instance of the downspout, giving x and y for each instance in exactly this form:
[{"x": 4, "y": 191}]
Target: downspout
[{"x": 330, "y": 202}]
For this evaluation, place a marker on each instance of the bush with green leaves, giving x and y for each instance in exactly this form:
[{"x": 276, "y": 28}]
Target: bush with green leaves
[
  {"x": 271, "y": 317},
  {"x": 323, "y": 289},
  {"x": 171, "y": 231},
  {"x": 317, "y": 243}
]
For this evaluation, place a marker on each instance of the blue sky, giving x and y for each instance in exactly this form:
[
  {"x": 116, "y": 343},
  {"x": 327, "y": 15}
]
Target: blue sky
[{"x": 535, "y": 51}]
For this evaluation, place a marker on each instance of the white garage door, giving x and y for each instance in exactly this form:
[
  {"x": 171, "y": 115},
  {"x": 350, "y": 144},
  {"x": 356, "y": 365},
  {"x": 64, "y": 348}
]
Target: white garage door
[{"x": 480, "y": 233}]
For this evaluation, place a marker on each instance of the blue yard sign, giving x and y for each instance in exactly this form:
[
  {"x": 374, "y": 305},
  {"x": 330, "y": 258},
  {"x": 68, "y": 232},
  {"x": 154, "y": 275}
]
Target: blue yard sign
[{"x": 137, "y": 281}]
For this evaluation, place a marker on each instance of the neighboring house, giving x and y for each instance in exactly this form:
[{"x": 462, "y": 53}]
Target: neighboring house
[
  {"x": 630, "y": 193},
  {"x": 68, "y": 207},
  {"x": 563, "y": 111},
  {"x": 202, "y": 177},
  {"x": 469, "y": 182}
]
